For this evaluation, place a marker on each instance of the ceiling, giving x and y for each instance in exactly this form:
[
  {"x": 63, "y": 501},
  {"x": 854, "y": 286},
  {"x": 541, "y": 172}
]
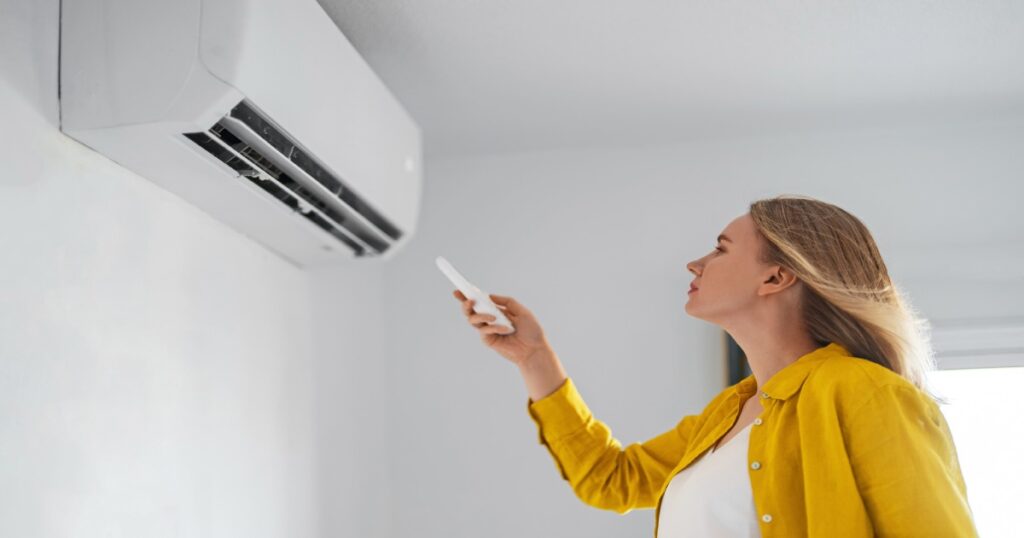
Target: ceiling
[{"x": 495, "y": 77}]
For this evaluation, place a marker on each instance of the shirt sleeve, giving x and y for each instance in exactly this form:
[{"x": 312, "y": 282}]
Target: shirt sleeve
[
  {"x": 601, "y": 473},
  {"x": 906, "y": 466}
]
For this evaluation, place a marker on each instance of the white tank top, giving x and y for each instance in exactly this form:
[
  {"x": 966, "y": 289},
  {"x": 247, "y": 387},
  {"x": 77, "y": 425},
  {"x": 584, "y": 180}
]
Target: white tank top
[{"x": 711, "y": 497}]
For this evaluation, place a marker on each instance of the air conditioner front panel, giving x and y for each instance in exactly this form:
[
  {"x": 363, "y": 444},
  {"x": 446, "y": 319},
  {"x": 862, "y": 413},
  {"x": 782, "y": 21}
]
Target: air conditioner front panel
[
  {"x": 347, "y": 116},
  {"x": 125, "y": 62}
]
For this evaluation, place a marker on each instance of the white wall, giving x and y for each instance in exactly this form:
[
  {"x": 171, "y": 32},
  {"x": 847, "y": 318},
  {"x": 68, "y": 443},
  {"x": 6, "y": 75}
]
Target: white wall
[
  {"x": 595, "y": 242},
  {"x": 156, "y": 367},
  {"x": 353, "y": 342},
  {"x": 164, "y": 376}
]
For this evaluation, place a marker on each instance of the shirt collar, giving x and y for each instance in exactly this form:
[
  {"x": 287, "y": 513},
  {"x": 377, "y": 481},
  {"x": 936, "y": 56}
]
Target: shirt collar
[{"x": 788, "y": 380}]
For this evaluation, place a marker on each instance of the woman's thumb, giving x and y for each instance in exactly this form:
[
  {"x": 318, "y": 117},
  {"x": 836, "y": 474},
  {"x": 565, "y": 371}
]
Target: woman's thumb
[{"x": 506, "y": 301}]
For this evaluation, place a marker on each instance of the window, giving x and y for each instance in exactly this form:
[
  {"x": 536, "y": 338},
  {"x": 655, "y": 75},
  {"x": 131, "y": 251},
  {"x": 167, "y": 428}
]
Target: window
[
  {"x": 981, "y": 373},
  {"x": 985, "y": 420}
]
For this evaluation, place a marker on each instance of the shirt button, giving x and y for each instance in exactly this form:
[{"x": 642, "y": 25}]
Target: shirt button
[
  {"x": 756, "y": 465},
  {"x": 767, "y": 518},
  {"x": 764, "y": 394},
  {"x": 757, "y": 421}
]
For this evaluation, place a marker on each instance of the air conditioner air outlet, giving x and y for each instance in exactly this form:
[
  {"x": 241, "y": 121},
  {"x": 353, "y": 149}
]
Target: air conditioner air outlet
[{"x": 254, "y": 148}]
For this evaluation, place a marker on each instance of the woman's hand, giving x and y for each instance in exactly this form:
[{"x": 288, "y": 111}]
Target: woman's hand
[{"x": 518, "y": 347}]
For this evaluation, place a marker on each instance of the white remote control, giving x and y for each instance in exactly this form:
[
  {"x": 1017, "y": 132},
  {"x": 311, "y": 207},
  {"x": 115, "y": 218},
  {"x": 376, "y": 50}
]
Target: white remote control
[{"x": 483, "y": 303}]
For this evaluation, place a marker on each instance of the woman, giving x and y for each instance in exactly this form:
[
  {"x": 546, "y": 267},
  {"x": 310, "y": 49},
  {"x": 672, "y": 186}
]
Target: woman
[{"x": 833, "y": 435}]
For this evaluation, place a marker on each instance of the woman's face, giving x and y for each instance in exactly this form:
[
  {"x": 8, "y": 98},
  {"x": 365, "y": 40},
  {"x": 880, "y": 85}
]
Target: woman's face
[{"x": 728, "y": 278}]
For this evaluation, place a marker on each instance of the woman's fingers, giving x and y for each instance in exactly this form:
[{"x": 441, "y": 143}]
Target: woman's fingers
[
  {"x": 475, "y": 319},
  {"x": 482, "y": 318},
  {"x": 494, "y": 329}
]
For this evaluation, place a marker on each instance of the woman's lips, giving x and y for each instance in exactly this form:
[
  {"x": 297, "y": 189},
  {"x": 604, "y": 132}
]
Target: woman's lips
[{"x": 692, "y": 290}]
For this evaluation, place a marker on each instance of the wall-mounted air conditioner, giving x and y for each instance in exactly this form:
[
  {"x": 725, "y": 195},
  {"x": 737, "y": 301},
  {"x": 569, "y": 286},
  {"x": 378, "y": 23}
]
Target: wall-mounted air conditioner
[{"x": 260, "y": 112}]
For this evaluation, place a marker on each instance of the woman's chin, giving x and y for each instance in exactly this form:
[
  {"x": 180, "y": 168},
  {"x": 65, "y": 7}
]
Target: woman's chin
[{"x": 692, "y": 308}]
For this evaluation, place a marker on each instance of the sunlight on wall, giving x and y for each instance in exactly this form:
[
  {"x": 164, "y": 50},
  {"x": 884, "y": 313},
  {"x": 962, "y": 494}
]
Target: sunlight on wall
[{"x": 984, "y": 418}]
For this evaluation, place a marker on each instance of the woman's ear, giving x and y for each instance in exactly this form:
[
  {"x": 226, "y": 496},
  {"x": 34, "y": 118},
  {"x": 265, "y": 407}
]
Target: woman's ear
[
  {"x": 780, "y": 278},
  {"x": 786, "y": 278}
]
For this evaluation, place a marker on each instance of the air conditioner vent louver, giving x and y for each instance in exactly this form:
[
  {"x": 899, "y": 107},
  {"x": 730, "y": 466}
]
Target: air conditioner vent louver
[{"x": 255, "y": 148}]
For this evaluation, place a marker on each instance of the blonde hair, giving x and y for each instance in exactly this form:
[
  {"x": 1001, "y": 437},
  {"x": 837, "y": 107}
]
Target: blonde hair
[{"x": 848, "y": 295}]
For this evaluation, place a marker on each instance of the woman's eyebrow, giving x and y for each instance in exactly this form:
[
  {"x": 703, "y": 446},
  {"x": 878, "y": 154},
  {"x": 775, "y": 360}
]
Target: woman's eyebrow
[{"x": 721, "y": 237}]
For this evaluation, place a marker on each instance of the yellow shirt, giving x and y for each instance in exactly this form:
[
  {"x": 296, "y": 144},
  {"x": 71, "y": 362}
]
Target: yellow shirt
[{"x": 844, "y": 447}]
